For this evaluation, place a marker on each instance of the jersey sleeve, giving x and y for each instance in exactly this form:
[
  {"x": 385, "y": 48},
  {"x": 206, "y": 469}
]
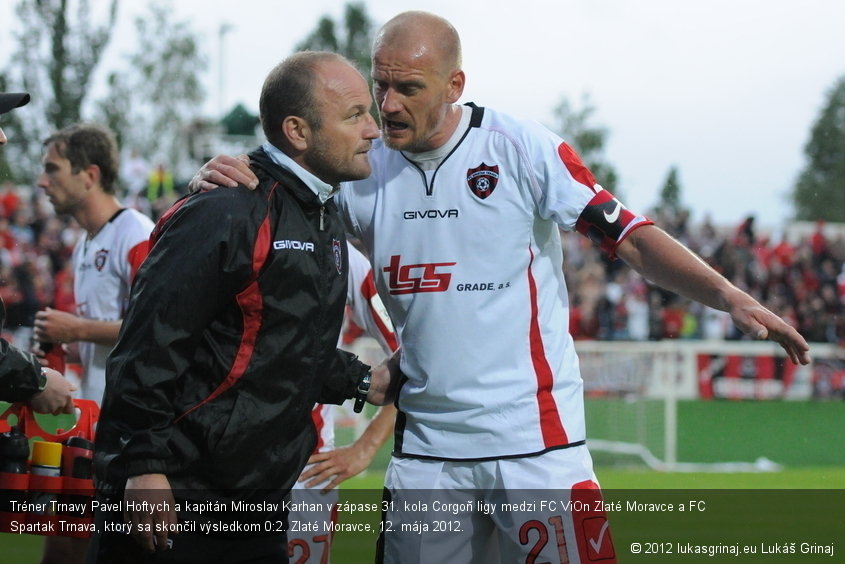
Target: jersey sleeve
[
  {"x": 134, "y": 244},
  {"x": 565, "y": 191},
  {"x": 365, "y": 307}
]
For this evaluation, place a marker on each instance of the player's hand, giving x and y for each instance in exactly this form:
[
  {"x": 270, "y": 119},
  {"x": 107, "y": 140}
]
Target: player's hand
[
  {"x": 161, "y": 510},
  {"x": 336, "y": 465},
  {"x": 756, "y": 321},
  {"x": 54, "y": 326},
  {"x": 56, "y": 397},
  {"x": 224, "y": 170}
]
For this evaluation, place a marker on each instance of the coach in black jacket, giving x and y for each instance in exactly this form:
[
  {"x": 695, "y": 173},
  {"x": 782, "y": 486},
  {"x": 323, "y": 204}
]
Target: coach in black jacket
[{"x": 234, "y": 317}]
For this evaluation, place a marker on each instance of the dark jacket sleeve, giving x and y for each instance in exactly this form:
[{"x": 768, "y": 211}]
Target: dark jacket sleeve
[
  {"x": 199, "y": 260},
  {"x": 345, "y": 373},
  {"x": 19, "y": 372}
]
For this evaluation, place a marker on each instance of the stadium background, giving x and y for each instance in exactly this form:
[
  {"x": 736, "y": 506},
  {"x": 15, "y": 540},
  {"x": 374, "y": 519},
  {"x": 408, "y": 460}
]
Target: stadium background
[
  {"x": 796, "y": 424},
  {"x": 754, "y": 410}
]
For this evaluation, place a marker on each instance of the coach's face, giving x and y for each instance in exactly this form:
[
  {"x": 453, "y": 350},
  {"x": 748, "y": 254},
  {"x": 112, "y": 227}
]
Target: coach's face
[
  {"x": 65, "y": 189},
  {"x": 337, "y": 150}
]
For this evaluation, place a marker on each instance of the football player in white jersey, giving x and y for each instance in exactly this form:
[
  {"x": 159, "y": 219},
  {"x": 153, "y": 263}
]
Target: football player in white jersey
[
  {"x": 309, "y": 540},
  {"x": 460, "y": 219},
  {"x": 80, "y": 177}
]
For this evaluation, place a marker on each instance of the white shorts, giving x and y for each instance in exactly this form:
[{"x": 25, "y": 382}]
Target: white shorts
[
  {"x": 309, "y": 535},
  {"x": 540, "y": 508}
]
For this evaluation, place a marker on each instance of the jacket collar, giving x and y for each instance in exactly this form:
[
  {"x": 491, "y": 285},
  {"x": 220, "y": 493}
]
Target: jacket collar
[{"x": 320, "y": 189}]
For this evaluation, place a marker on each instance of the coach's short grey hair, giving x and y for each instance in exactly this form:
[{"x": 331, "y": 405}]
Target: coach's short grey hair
[{"x": 289, "y": 91}]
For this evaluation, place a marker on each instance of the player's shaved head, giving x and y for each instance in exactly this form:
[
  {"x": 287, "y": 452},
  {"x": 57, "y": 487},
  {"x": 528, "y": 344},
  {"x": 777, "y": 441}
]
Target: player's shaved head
[{"x": 422, "y": 36}]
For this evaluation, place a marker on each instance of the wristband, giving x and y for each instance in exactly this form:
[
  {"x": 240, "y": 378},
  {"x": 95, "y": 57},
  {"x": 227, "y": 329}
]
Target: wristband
[{"x": 362, "y": 391}]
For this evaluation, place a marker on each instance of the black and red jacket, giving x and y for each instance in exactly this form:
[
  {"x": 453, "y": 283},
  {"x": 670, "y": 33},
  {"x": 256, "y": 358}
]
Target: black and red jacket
[
  {"x": 19, "y": 371},
  {"x": 230, "y": 338}
]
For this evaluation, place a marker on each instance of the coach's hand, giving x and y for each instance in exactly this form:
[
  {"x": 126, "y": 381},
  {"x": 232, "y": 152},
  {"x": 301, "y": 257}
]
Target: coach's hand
[
  {"x": 224, "y": 170},
  {"x": 386, "y": 378},
  {"x": 151, "y": 520}
]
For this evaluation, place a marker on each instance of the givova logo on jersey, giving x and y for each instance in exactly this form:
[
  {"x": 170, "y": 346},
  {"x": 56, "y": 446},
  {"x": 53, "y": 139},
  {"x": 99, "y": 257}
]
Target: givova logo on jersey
[{"x": 417, "y": 278}]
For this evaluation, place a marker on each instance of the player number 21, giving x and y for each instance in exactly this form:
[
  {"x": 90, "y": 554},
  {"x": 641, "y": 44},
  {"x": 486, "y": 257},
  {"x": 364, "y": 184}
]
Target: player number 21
[{"x": 543, "y": 538}]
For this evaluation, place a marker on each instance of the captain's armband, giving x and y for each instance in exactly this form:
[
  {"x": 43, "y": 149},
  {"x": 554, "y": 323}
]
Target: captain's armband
[{"x": 606, "y": 222}]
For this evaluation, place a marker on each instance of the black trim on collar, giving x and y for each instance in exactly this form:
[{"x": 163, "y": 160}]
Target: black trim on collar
[
  {"x": 477, "y": 114},
  {"x": 117, "y": 213}
]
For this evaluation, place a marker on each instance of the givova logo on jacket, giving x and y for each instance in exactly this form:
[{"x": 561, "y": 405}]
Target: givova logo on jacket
[
  {"x": 294, "y": 245},
  {"x": 417, "y": 278}
]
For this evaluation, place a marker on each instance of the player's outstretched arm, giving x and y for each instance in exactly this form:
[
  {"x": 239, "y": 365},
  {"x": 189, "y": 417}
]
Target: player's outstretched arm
[
  {"x": 224, "y": 170},
  {"x": 661, "y": 259},
  {"x": 342, "y": 463}
]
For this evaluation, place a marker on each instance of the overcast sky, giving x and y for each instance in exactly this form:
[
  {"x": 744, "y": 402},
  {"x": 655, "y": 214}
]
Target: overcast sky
[{"x": 726, "y": 90}]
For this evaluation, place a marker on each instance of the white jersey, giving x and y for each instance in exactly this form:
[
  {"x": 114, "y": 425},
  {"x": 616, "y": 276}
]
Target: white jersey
[
  {"x": 103, "y": 271},
  {"x": 365, "y": 309},
  {"x": 467, "y": 258}
]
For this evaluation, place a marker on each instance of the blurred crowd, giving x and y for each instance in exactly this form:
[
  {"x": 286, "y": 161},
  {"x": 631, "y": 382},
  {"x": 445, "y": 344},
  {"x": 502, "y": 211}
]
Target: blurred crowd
[
  {"x": 36, "y": 245},
  {"x": 803, "y": 280}
]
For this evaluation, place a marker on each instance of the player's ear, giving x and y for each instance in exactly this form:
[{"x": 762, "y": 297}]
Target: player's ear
[
  {"x": 457, "y": 81},
  {"x": 92, "y": 175},
  {"x": 297, "y": 132}
]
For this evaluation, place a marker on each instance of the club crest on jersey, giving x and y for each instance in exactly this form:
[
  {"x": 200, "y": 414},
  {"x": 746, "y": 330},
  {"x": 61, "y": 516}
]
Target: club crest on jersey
[
  {"x": 337, "y": 250},
  {"x": 482, "y": 179},
  {"x": 100, "y": 259}
]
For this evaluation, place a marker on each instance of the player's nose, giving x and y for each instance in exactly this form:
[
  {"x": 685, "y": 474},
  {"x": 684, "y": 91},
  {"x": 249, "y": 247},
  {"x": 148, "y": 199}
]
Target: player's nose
[{"x": 390, "y": 102}]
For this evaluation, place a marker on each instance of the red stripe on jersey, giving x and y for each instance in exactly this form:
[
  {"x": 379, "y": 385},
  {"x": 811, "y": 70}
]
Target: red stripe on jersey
[
  {"x": 550, "y": 423},
  {"x": 576, "y": 166},
  {"x": 319, "y": 422},
  {"x": 251, "y": 303},
  {"x": 136, "y": 257},
  {"x": 368, "y": 290}
]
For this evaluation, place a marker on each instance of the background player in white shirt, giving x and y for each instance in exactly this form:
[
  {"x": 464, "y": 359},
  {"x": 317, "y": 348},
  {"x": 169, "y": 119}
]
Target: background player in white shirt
[
  {"x": 330, "y": 465},
  {"x": 460, "y": 218},
  {"x": 79, "y": 178}
]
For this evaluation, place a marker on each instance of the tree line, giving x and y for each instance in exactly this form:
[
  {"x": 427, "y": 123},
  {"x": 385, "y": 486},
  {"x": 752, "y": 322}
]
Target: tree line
[{"x": 153, "y": 101}]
